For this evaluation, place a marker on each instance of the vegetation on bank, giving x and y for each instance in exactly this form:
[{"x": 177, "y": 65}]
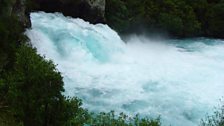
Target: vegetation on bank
[
  {"x": 217, "y": 119},
  {"x": 178, "y": 18}
]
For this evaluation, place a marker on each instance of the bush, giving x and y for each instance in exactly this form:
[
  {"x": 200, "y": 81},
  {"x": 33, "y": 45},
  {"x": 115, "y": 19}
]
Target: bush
[
  {"x": 109, "y": 119},
  {"x": 34, "y": 93},
  {"x": 217, "y": 119},
  {"x": 180, "y": 18}
]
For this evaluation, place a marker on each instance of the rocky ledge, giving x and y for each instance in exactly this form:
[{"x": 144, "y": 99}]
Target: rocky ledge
[{"x": 89, "y": 10}]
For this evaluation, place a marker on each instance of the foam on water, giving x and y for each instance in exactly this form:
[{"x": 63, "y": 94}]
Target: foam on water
[{"x": 179, "y": 80}]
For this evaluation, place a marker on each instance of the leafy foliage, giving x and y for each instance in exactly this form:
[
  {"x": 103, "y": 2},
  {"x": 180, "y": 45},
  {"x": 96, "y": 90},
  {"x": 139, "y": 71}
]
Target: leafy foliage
[
  {"x": 179, "y": 18},
  {"x": 109, "y": 119},
  {"x": 216, "y": 20},
  {"x": 36, "y": 88},
  {"x": 117, "y": 14},
  {"x": 217, "y": 119}
]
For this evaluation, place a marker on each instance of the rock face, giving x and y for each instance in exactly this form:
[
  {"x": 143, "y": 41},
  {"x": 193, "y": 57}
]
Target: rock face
[
  {"x": 89, "y": 10},
  {"x": 19, "y": 9},
  {"x": 16, "y": 8}
]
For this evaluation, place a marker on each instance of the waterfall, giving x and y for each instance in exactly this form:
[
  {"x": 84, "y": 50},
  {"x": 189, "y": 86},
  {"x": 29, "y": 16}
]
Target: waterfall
[{"x": 180, "y": 80}]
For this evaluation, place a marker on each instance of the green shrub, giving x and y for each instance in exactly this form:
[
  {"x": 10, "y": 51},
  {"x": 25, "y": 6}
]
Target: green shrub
[
  {"x": 217, "y": 119},
  {"x": 34, "y": 94},
  {"x": 110, "y": 119}
]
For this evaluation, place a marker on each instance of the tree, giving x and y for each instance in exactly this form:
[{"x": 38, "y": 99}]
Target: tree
[
  {"x": 35, "y": 85},
  {"x": 216, "y": 20},
  {"x": 117, "y": 15},
  {"x": 35, "y": 88},
  {"x": 172, "y": 24}
]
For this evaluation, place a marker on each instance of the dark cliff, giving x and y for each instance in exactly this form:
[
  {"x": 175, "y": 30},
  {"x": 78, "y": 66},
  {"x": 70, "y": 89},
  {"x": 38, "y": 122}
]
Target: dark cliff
[
  {"x": 89, "y": 10},
  {"x": 17, "y": 9}
]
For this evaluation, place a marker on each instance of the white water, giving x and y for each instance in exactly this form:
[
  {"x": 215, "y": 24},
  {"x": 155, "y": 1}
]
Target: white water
[{"x": 179, "y": 80}]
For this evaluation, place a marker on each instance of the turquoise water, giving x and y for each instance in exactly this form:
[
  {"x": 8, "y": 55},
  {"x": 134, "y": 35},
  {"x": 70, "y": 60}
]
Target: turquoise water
[{"x": 181, "y": 80}]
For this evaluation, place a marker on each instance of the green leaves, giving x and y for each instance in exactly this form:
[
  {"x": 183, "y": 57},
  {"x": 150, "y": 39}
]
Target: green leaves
[
  {"x": 117, "y": 14},
  {"x": 217, "y": 119},
  {"x": 35, "y": 87},
  {"x": 111, "y": 119},
  {"x": 179, "y": 18},
  {"x": 216, "y": 20},
  {"x": 171, "y": 23},
  {"x": 35, "y": 93},
  {"x": 75, "y": 114}
]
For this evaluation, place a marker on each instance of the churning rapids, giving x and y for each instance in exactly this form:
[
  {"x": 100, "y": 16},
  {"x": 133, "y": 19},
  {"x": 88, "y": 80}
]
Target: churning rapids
[{"x": 181, "y": 80}]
